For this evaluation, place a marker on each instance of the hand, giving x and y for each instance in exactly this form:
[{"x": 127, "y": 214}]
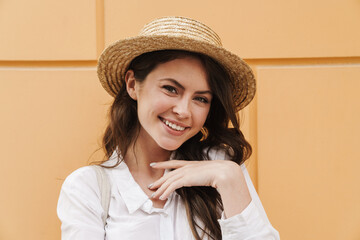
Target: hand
[{"x": 214, "y": 173}]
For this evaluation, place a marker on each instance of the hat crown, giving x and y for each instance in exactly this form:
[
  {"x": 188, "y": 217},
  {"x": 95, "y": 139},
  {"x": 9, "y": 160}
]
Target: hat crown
[
  {"x": 175, "y": 33},
  {"x": 181, "y": 27}
]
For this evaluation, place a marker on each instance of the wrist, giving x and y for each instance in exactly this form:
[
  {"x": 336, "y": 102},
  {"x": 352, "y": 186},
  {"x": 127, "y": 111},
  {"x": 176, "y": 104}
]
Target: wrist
[
  {"x": 229, "y": 177},
  {"x": 233, "y": 190}
]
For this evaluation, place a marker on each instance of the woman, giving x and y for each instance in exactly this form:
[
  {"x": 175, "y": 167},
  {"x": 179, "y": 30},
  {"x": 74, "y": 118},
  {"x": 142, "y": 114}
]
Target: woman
[{"x": 176, "y": 92}]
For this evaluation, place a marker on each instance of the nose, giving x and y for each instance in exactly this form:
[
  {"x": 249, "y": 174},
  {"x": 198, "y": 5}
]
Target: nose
[{"x": 182, "y": 108}]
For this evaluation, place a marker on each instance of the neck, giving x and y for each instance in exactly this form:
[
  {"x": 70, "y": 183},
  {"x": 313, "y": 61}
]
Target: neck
[{"x": 144, "y": 151}]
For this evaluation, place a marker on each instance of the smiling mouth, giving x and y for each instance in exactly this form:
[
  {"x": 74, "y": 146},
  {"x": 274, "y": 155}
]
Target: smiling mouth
[{"x": 172, "y": 125}]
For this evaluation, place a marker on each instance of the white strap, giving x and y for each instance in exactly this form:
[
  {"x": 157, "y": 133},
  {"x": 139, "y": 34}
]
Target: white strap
[{"x": 104, "y": 186}]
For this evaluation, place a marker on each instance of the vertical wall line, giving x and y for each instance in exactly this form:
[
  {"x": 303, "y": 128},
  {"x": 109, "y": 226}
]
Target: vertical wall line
[
  {"x": 100, "y": 27},
  {"x": 254, "y": 139}
]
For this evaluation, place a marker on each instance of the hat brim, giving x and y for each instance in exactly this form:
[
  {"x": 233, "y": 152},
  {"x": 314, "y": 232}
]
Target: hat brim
[{"x": 116, "y": 58}]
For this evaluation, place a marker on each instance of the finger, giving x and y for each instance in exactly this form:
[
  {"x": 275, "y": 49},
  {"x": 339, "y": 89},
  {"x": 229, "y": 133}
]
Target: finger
[
  {"x": 161, "y": 180},
  {"x": 165, "y": 185},
  {"x": 171, "y": 164},
  {"x": 172, "y": 187}
]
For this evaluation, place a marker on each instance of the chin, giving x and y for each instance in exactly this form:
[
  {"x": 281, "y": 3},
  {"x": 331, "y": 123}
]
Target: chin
[{"x": 170, "y": 146}]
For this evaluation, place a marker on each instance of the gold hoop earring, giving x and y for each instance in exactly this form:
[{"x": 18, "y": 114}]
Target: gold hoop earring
[{"x": 204, "y": 133}]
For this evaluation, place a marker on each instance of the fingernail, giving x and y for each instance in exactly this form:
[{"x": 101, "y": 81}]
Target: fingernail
[
  {"x": 150, "y": 185},
  {"x": 152, "y": 164},
  {"x": 152, "y": 195},
  {"x": 161, "y": 198}
]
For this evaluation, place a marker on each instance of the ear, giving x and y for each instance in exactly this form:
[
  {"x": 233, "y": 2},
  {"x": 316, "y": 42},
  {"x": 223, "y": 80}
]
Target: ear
[{"x": 130, "y": 82}]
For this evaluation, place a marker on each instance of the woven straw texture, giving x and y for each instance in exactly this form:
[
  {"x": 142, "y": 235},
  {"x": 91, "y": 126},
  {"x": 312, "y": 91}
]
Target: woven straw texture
[{"x": 176, "y": 33}]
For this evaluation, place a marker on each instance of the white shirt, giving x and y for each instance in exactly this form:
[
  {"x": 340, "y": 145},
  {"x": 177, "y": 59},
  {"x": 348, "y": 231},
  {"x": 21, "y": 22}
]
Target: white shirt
[{"x": 132, "y": 216}]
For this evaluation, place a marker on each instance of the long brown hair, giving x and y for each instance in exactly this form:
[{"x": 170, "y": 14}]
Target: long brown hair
[{"x": 202, "y": 203}]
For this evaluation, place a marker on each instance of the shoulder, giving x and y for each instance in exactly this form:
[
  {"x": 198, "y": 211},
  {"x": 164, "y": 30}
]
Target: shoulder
[
  {"x": 81, "y": 175},
  {"x": 82, "y": 181},
  {"x": 80, "y": 193},
  {"x": 217, "y": 153},
  {"x": 79, "y": 205}
]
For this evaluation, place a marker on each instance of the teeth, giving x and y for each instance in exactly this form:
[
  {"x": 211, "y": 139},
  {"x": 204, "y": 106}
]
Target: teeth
[{"x": 173, "y": 125}]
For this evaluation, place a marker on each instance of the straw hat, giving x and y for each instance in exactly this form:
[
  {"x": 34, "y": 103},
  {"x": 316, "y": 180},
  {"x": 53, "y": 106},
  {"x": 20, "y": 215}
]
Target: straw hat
[{"x": 181, "y": 34}]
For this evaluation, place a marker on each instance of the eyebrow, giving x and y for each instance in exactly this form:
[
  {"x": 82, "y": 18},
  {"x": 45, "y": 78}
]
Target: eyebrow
[{"x": 183, "y": 88}]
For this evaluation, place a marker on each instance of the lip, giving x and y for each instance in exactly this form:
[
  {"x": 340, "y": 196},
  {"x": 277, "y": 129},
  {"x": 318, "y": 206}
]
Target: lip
[{"x": 172, "y": 131}]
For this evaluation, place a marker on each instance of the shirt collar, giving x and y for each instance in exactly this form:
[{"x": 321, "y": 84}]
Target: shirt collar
[{"x": 132, "y": 194}]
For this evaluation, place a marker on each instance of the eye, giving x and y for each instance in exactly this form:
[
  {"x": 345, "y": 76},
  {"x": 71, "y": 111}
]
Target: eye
[
  {"x": 170, "y": 89},
  {"x": 202, "y": 99}
]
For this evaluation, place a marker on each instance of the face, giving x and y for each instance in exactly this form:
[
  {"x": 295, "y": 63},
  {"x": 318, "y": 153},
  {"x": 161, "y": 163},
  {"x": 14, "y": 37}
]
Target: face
[{"x": 173, "y": 102}]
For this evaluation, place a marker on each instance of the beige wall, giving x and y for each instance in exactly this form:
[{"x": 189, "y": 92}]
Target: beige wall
[{"x": 303, "y": 123}]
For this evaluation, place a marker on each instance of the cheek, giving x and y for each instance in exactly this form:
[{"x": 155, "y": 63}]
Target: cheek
[
  {"x": 160, "y": 105},
  {"x": 154, "y": 106},
  {"x": 201, "y": 116},
  {"x": 164, "y": 103}
]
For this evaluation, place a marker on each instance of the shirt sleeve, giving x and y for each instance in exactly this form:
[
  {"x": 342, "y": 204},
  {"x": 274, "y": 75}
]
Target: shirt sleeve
[
  {"x": 252, "y": 223},
  {"x": 79, "y": 208}
]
